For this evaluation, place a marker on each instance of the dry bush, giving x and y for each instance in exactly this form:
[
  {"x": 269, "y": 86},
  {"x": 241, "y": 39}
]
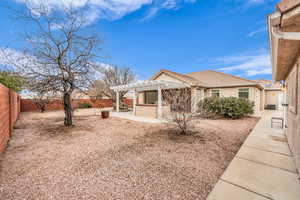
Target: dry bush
[{"x": 180, "y": 102}]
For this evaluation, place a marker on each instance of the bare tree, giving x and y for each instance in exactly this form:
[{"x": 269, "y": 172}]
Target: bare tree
[
  {"x": 59, "y": 54},
  {"x": 113, "y": 76},
  {"x": 180, "y": 102},
  {"x": 41, "y": 101}
]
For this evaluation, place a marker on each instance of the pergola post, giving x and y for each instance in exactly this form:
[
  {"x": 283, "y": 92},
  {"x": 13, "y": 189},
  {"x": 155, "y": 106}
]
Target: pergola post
[
  {"x": 159, "y": 103},
  {"x": 117, "y": 101},
  {"x": 134, "y": 102}
]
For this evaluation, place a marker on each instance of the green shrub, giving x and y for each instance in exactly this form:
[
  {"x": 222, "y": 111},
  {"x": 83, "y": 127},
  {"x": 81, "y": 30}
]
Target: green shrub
[
  {"x": 226, "y": 107},
  {"x": 85, "y": 105}
]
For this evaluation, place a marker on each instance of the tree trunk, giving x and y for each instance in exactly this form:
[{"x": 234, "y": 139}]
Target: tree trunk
[{"x": 68, "y": 109}]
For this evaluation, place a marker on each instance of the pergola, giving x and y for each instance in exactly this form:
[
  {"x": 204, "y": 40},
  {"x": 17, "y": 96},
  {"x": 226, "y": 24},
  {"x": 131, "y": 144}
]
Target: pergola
[{"x": 144, "y": 86}]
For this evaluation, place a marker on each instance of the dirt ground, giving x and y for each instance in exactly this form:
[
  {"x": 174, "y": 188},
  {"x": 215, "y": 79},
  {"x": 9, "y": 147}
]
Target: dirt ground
[{"x": 115, "y": 158}]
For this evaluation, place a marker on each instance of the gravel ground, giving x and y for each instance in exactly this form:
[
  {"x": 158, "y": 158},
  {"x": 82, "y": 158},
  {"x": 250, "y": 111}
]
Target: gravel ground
[{"x": 115, "y": 158}]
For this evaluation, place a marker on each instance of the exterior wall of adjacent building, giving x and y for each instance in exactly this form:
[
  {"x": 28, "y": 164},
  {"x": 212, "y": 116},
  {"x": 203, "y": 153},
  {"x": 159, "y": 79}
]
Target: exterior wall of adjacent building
[
  {"x": 273, "y": 97},
  {"x": 293, "y": 112}
]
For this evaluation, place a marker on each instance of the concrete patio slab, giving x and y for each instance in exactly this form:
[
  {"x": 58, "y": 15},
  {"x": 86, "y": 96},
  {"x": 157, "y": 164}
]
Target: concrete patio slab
[
  {"x": 267, "y": 158},
  {"x": 268, "y": 181},
  {"x": 262, "y": 169},
  {"x": 268, "y": 145},
  {"x": 227, "y": 191},
  {"x": 131, "y": 116}
]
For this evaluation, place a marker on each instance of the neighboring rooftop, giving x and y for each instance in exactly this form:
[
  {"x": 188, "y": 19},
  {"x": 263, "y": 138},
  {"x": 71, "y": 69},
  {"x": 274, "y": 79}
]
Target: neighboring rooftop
[{"x": 269, "y": 85}]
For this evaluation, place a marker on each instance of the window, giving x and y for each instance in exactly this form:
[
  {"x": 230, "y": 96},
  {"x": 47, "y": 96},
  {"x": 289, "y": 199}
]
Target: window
[
  {"x": 151, "y": 97},
  {"x": 215, "y": 93},
  {"x": 244, "y": 93}
]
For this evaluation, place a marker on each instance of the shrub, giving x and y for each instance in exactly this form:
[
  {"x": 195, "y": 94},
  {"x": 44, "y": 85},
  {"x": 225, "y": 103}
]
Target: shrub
[
  {"x": 85, "y": 105},
  {"x": 227, "y": 107}
]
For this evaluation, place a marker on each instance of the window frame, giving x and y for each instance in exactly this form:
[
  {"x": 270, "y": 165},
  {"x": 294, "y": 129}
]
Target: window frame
[
  {"x": 212, "y": 93},
  {"x": 248, "y": 90},
  {"x": 145, "y": 97}
]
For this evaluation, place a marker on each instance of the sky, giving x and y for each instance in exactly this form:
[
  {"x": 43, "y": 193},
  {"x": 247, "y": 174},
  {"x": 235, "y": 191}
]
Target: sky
[{"x": 179, "y": 35}]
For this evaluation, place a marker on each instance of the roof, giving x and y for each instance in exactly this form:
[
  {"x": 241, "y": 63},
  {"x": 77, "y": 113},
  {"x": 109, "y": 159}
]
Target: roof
[
  {"x": 270, "y": 85},
  {"x": 182, "y": 77},
  {"x": 209, "y": 79},
  {"x": 286, "y": 5},
  {"x": 284, "y": 28},
  {"x": 220, "y": 79}
]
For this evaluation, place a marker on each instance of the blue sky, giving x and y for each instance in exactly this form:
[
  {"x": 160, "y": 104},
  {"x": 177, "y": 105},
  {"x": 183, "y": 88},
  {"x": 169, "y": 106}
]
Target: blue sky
[{"x": 179, "y": 35}]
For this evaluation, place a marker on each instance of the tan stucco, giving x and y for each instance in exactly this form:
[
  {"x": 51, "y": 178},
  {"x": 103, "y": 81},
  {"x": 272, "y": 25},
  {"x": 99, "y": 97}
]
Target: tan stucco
[
  {"x": 146, "y": 111},
  {"x": 254, "y": 95},
  {"x": 272, "y": 97},
  {"x": 293, "y": 119},
  {"x": 166, "y": 77},
  {"x": 151, "y": 111},
  {"x": 140, "y": 99}
]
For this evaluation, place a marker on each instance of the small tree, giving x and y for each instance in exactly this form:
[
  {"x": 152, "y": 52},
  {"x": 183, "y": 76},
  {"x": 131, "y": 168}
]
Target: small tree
[
  {"x": 59, "y": 54},
  {"x": 11, "y": 81},
  {"x": 40, "y": 101},
  {"x": 180, "y": 103},
  {"x": 113, "y": 76}
]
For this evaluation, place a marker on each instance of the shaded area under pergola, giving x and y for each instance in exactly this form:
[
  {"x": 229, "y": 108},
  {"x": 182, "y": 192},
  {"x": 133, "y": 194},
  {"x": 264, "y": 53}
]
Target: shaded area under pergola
[{"x": 158, "y": 85}]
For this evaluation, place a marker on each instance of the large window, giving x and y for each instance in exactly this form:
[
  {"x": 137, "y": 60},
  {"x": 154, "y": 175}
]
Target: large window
[
  {"x": 244, "y": 93},
  {"x": 151, "y": 97},
  {"x": 215, "y": 93}
]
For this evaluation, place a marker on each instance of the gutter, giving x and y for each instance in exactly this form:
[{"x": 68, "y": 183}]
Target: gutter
[{"x": 275, "y": 34}]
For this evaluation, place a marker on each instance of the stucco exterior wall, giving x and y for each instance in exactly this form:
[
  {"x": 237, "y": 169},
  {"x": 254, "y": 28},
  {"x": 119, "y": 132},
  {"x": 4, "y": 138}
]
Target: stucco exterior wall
[
  {"x": 293, "y": 114},
  {"x": 272, "y": 97},
  {"x": 146, "y": 111},
  {"x": 140, "y": 98},
  {"x": 254, "y": 95},
  {"x": 165, "y": 77}
]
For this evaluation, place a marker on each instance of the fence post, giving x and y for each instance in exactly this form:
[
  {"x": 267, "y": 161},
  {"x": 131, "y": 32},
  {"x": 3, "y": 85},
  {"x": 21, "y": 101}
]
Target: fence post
[{"x": 9, "y": 111}]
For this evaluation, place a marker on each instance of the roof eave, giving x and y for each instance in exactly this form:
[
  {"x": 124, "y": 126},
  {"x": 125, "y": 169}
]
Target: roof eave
[{"x": 237, "y": 85}]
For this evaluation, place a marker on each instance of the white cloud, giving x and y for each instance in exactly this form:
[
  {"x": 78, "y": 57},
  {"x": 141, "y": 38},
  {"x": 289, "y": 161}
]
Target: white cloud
[
  {"x": 108, "y": 9},
  {"x": 248, "y": 64},
  {"x": 258, "y": 31},
  {"x": 9, "y": 56},
  {"x": 165, "y": 4},
  {"x": 257, "y": 1}
]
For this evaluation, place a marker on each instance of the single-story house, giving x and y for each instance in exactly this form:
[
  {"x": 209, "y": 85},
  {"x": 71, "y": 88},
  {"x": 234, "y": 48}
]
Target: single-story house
[
  {"x": 284, "y": 36},
  {"x": 148, "y": 101}
]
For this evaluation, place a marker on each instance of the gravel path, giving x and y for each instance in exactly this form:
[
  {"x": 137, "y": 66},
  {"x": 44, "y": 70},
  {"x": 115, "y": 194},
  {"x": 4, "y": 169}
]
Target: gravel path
[{"x": 115, "y": 158}]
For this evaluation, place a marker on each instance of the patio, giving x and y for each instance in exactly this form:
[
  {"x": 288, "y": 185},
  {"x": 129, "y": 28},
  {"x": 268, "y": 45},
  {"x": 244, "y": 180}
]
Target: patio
[
  {"x": 157, "y": 108},
  {"x": 131, "y": 116}
]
